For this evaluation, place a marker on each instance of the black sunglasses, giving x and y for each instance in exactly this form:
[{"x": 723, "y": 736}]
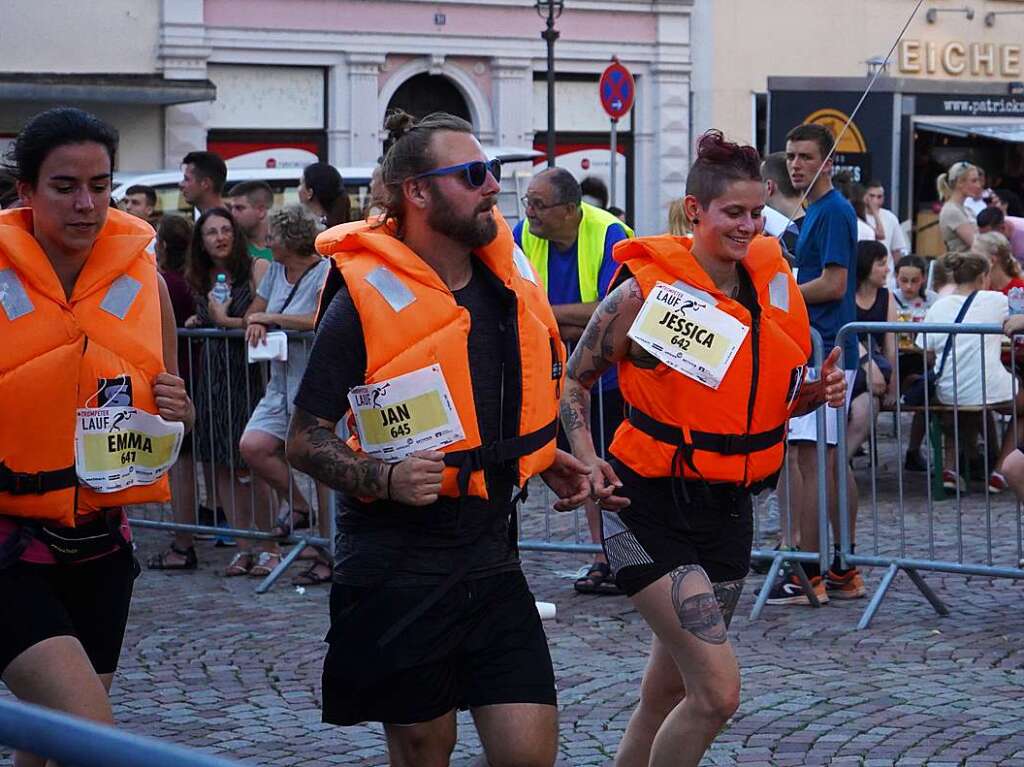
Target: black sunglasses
[{"x": 476, "y": 171}]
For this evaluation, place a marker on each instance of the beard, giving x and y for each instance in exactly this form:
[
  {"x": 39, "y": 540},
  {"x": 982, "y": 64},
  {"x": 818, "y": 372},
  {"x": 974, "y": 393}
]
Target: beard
[{"x": 473, "y": 231}]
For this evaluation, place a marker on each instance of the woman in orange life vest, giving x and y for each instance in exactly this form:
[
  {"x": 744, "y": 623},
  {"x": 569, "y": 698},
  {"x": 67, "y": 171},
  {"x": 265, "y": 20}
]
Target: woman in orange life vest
[
  {"x": 87, "y": 324},
  {"x": 695, "y": 444}
]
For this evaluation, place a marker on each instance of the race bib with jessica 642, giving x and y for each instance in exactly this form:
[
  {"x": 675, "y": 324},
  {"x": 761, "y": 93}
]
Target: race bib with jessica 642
[
  {"x": 404, "y": 414},
  {"x": 118, "y": 447},
  {"x": 688, "y": 334}
]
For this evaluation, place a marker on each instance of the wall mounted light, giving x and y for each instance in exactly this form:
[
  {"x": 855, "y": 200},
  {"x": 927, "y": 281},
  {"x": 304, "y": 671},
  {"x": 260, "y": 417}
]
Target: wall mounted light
[
  {"x": 933, "y": 13},
  {"x": 990, "y": 17}
]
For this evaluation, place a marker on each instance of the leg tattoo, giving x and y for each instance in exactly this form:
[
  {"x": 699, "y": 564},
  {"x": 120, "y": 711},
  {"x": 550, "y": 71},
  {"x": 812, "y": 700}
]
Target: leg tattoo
[
  {"x": 699, "y": 612},
  {"x": 728, "y": 595}
]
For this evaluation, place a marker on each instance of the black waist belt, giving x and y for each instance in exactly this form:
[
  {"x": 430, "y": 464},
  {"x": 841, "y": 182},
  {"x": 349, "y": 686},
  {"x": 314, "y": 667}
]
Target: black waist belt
[
  {"x": 36, "y": 482},
  {"x": 723, "y": 444},
  {"x": 496, "y": 453}
]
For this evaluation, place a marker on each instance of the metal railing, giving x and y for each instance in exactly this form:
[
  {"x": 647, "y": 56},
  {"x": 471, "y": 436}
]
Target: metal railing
[
  {"x": 226, "y": 389},
  {"x": 76, "y": 742},
  {"x": 973, "y": 538},
  {"x": 548, "y": 530}
]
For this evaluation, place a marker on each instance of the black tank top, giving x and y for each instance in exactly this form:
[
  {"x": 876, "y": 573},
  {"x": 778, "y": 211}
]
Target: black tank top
[{"x": 877, "y": 312}]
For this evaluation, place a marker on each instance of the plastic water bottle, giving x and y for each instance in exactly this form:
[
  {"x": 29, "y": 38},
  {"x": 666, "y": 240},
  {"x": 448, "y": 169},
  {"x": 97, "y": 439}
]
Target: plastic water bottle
[
  {"x": 1015, "y": 299},
  {"x": 221, "y": 291}
]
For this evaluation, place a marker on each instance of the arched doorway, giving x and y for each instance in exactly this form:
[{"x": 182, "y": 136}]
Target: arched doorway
[{"x": 425, "y": 93}]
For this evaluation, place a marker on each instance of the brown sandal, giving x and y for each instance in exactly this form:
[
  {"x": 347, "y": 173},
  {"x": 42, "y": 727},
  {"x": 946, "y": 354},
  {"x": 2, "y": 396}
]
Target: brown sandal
[
  {"x": 318, "y": 572},
  {"x": 240, "y": 564}
]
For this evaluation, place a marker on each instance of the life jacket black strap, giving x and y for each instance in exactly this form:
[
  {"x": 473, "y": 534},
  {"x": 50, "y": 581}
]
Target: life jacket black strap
[
  {"x": 37, "y": 482},
  {"x": 496, "y": 453},
  {"x": 723, "y": 444}
]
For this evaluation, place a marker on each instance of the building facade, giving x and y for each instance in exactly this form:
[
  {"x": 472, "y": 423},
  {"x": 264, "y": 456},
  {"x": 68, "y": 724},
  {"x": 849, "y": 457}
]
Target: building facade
[
  {"x": 951, "y": 91},
  {"x": 315, "y": 77}
]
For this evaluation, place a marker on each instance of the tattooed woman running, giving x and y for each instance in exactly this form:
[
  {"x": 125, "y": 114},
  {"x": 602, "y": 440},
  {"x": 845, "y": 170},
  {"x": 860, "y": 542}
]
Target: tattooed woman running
[{"x": 711, "y": 338}]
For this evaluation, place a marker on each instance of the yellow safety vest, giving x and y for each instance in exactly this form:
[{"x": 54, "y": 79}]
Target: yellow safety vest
[{"x": 589, "y": 249}]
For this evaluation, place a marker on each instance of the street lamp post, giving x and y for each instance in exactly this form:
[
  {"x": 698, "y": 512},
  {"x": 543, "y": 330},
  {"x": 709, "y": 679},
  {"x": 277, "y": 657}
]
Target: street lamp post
[{"x": 551, "y": 10}]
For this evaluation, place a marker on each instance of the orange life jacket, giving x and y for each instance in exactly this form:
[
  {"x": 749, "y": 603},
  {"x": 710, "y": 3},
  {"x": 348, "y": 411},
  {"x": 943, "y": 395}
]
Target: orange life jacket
[
  {"x": 411, "y": 320},
  {"x": 54, "y": 353},
  {"x": 676, "y": 426}
]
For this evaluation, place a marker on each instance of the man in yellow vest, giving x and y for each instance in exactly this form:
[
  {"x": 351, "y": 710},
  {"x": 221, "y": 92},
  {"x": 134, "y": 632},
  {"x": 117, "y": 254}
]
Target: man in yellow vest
[{"x": 570, "y": 242}]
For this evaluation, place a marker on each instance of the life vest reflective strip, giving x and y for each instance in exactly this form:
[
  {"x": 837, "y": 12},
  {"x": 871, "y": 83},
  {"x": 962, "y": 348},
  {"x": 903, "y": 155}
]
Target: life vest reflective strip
[
  {"x": 410, "y": 320},
  {"x": 678, "y": 427},
  {"x": 589, "y": 249},
  {"x": 56, "y": 350}
]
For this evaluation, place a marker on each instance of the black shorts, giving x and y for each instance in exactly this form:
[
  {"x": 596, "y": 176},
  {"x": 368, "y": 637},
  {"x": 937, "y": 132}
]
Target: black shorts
[
  {"x": 652, "y": 537},
  {"x": 481, "y": 644},
  {"x": 89, "y": 601},
  {"x": 613, "y": 409}
]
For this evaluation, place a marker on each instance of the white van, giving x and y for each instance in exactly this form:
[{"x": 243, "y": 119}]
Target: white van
[{"x": 517, "y": 169}]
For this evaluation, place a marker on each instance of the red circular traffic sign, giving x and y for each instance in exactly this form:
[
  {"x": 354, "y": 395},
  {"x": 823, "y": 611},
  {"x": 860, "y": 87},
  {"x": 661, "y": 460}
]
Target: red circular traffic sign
[{"x": 617, "y": 90}]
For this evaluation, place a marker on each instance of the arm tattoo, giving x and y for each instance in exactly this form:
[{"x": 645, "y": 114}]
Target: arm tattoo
[
  {"x": 728, "y": 595},
  {"x": 698, "y": 613},
  {"x": 575, "y": 409},
  {"x": 595, "y": 352},
  {"x": 325, "y": 457}
]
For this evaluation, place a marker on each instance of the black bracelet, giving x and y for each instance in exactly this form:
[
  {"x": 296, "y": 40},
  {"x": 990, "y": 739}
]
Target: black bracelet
[{"x": 391, "y": 470}]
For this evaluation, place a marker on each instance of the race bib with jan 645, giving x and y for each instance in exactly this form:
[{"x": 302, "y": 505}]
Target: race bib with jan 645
[
  {"x": 688, "y": 334},
  {"x": 404, "y": 414}
]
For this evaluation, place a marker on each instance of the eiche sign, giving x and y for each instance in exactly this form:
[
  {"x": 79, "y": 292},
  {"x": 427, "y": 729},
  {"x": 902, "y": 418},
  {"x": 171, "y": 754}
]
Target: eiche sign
[{"x": 956, "y": 58}]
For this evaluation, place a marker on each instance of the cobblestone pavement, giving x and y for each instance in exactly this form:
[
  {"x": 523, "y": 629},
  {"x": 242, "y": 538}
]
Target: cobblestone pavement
[{"x": 210, "y": 664}]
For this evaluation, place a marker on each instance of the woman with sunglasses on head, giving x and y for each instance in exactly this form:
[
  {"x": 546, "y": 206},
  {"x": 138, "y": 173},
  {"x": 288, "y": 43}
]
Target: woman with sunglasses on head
[
  {"x": 711, "y": 338},
  {"x": 89, "y": 346},
  {"x": 956, "y": 224}
]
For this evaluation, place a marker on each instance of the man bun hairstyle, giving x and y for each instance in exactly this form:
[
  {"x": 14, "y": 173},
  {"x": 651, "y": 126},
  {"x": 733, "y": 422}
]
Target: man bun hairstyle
[
  {"x": 52, "y": 129},
  {"x": 720, "y": 163},
  {"x": 409, "y": 153}
]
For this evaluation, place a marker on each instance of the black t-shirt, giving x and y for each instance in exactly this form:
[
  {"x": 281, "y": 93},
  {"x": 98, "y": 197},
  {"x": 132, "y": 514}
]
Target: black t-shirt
[{"x": 417, "y": 544}]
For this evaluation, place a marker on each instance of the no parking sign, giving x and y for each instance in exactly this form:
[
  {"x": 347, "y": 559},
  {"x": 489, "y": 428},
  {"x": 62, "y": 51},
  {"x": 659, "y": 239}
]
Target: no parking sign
[{"x": 617, "y": 89}]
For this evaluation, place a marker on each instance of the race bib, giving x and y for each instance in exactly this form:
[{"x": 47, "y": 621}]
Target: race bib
[
  {"x": 119, "y": 447},
  {"x": 688, "y": 334},
  {"x": 404, "y": 414}
]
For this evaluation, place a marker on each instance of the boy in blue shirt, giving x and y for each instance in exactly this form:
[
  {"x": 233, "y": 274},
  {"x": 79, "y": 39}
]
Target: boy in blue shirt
[{"x": 826, "y": 260}]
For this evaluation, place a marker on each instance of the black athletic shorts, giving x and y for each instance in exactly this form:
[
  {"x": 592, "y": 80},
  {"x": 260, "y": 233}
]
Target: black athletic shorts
[
  {"x": 89, "y": 601},
  {"x": 652, "y": 537},
  {"x": 481, "y": 644},
  {"x": 613, "y": 408}
]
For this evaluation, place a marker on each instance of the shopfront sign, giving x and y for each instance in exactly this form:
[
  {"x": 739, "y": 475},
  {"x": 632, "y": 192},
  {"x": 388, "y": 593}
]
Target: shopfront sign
[{"x": 956, "y": 58}]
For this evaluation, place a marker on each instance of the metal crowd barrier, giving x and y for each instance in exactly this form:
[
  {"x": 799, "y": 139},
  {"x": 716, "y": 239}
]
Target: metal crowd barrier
[
  {"x": 783, "y": 557},
  {"x": 215, "y": 369},
  {"x": 977, "y": 536},
  {"x": 543, "y": 529},
  {"x": 76, "y": 742}
]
